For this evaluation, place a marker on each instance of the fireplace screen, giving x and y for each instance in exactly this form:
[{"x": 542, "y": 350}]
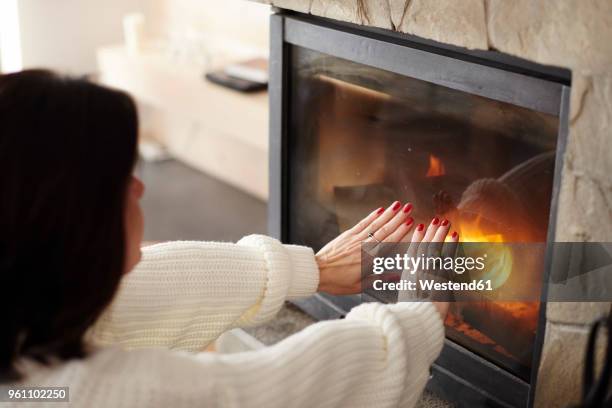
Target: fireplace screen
[{"x": 361, "y": 137}]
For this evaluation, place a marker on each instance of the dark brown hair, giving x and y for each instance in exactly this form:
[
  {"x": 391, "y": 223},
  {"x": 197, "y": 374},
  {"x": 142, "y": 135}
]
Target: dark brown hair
[{"x": 67, "y": 151}]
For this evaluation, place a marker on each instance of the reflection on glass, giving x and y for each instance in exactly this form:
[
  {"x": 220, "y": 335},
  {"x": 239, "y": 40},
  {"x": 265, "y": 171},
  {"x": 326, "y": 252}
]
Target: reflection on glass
[{"x": 361, "y": 137}]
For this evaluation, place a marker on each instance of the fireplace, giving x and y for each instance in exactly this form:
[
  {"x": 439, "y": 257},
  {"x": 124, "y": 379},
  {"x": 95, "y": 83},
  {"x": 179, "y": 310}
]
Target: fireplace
[{"x": 361, "y": 117}]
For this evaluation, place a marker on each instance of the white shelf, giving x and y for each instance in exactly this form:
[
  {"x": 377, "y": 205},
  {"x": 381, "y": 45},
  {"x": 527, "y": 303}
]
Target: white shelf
[{"x": 217, "y": 130}]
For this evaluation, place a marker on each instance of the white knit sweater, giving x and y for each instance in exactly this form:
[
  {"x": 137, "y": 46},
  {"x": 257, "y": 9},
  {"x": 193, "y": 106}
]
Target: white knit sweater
[{"x": 184, "y": 294}]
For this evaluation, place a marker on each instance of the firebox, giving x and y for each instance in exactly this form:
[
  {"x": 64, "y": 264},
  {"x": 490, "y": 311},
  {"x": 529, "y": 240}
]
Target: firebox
[{"x": 361, "y": 117}]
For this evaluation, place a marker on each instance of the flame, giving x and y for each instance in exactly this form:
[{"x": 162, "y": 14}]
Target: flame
[
  {"x": 471, "y": 231},
  {"x": 499, "y": 257},
  {"x": 500, "y": 263},
  {"x": 436, "y": 167}
]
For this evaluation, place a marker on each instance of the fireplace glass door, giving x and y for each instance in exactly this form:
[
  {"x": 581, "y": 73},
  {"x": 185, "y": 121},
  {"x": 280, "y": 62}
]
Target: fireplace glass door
[{"x": 361, "y": 137}]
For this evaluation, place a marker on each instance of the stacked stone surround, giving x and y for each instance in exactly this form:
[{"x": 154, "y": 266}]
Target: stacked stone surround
[{"x": 574, "y": 34}]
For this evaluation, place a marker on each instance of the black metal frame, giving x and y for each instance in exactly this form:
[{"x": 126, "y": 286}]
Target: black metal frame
[{"x": 458, "y": 374}]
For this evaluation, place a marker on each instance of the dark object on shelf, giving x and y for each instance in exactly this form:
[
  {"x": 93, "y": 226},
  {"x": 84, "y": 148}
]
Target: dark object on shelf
[
  {"x": 237, "y": 84},
  {"x": 255, "y": 70},
  {"x": 594, "y": 391}
]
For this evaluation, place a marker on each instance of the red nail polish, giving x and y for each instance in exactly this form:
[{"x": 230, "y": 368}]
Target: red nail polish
[
  {"x": 380, "y": 210},
  {"x": 409, "y": 222},
  {"x": 444, "y": 223},
  {"x": 396, "y": 206},
  {"x": 407, "y": 207},
  {"x": 435, "y": 221},
  {"x": 455, "y": 235},
  {"x": 420, "y": 227}
]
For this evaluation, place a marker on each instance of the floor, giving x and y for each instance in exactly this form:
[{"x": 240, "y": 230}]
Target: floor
[{"x": 181, "y": 203}]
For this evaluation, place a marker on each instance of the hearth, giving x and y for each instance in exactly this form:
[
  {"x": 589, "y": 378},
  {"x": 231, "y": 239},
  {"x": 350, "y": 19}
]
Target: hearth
[{"x": 361, "y": 117}]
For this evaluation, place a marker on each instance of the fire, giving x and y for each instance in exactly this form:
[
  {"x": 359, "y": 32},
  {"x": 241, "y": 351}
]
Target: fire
[
  {"x": 471, "y": 231},
  {"x": 436, "y": 167},
  {"x": 494, "y": 320},
  {"x": 499, "y": 257}
]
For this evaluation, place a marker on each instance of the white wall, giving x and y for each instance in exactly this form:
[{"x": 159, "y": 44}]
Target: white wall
[
  {"x": 241, "y": 21},
  {"x": 64, "y": 34},
  {"x": 10, "y": 43}
]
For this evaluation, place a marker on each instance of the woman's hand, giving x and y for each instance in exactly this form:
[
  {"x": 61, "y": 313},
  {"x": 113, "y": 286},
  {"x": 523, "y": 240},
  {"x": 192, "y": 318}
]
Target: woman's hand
[
  {"x": 340, "y": 260},
  {"x": 436, "y": 234}
]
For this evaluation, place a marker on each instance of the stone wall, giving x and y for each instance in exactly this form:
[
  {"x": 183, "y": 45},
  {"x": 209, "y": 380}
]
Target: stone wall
[{"x": 574, "y": 34}]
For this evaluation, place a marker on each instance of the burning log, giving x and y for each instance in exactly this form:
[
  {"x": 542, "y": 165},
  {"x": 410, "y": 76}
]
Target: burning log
[{"x": 510, "y": 324}]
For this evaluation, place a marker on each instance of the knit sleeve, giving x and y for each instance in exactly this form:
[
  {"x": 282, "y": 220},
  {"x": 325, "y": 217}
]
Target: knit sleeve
[
  {"x": 183, "y": 295},
  {"x": 379, "y": 356}
]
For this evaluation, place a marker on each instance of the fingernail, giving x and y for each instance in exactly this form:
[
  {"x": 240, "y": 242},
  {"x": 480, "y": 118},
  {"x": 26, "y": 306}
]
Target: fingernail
[
  {"x": 407, "y": 207},
  {"x": 455, "y": 235},
  {"x": 420, "y": 227},
  {"x": 435, "y": 221},
  {"x": 409, "y": 222},
  {"x": 444, "y": 223},
  {"x": 380, "y": 210},
  {"x": 396, "y": 206}
]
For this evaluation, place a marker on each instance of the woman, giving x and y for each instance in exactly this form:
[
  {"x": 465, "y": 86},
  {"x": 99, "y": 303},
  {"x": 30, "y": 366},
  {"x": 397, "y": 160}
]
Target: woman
[{"x": 73, "y": 316}]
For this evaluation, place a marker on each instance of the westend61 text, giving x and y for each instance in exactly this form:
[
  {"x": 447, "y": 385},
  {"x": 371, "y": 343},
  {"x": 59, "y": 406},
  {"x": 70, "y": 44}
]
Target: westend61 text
[{"x": 430, "y": 284}]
